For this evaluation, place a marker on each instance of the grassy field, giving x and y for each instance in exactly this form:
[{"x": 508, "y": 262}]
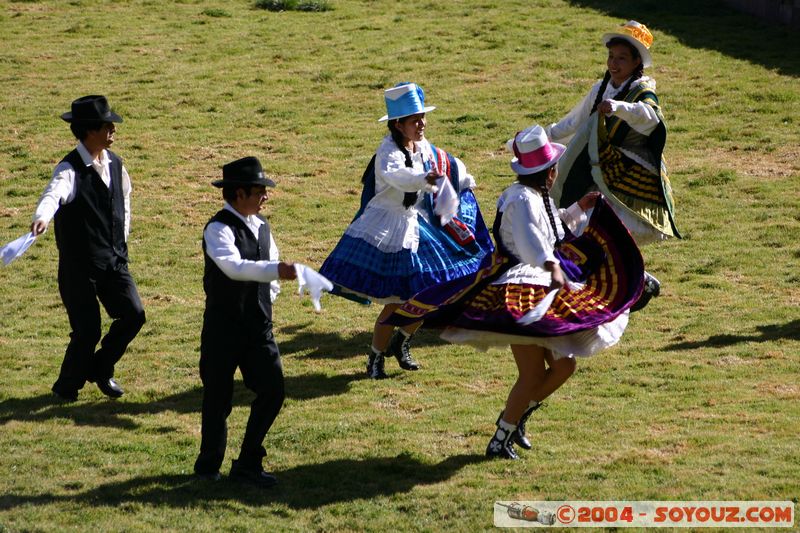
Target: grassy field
[{"x": 699, "y": 401}]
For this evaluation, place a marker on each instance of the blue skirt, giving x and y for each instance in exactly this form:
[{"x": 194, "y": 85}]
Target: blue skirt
[{"x": 356, "y": 266}]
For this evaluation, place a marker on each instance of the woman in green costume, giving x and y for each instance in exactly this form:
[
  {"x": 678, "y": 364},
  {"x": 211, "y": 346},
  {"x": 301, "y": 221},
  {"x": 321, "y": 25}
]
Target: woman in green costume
[{"x": 615, "y": 139}]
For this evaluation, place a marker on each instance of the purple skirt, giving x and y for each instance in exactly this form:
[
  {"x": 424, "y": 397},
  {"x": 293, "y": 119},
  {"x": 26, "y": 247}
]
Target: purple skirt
[{"x": 604, "y": 259}]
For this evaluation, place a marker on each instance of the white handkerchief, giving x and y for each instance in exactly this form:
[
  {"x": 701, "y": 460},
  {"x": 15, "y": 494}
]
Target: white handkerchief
[
  {"x": 312, "y": 281},
  {"x": 536, "y": 314},
  {"x": 16, "y": 248},
  {"x": 446, "y": 200}
]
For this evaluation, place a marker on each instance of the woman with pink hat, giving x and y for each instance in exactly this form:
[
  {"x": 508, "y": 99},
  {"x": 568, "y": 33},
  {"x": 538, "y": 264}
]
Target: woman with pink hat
[
  {"x": 400, "y": 242},
  {"x": 616, "y": 138},
  {"x": 548, "y": 293}
]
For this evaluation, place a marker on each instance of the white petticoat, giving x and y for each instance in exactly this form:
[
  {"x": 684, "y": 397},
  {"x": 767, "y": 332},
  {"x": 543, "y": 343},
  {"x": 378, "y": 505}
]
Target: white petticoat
[
  {"x": 388, "y": 230},
  {"x": 581, "y": 344}
]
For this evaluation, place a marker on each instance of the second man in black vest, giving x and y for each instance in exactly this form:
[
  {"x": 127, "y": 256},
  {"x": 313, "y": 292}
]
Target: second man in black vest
[{"x": 241, "y": 271}]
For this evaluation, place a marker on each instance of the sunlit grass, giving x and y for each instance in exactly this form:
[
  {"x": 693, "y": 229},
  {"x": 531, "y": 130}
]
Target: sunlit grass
[{"x": 698, "y": 401}]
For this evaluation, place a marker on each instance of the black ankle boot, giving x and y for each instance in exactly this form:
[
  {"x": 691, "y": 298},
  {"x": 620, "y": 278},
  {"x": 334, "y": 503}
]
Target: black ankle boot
[
  {"x": 400, "y": 346},
  {"x": 519, "y": 435},
  {"x": 501, "y": 446},
  {"x": 375, "y": 365},
  {"x": 652, "y": 288}
]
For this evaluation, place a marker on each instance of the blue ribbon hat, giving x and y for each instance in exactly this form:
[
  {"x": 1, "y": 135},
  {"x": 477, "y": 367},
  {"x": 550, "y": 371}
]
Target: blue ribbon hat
[{"x": 403, "y": 100}]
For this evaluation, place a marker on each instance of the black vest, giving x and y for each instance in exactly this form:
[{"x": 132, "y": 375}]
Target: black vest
[
  {"x": 91, "y": 228},
  {"x": 237, "y": 310}
]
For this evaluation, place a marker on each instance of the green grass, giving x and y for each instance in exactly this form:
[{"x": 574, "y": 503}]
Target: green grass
[{"x": 698, "y": 401}]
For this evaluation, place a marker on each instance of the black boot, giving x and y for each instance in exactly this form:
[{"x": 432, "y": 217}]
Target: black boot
[
  {"x": 375, "y": 365},
  {"x": 399, "y": 346},
  {"x": 519, "y": 435},
  {"x": 652, "y": 288},
  {"x": 501, "y": 445}
]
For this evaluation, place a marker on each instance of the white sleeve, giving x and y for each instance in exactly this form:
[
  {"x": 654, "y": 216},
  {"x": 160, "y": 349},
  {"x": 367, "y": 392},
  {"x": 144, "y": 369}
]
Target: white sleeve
[
  {"x": 273, "y": 248},
  {"x": 465, "y": 179},
  {"x": 574, "y": 217},
  {"x": 221, "y": 248},
  {"x": 563, "y": 130},
  {"x": 126, "y": 194},
  {"x": 531, "y": 243},
  {"x": 60, "y": 190},
  {"x": 639, "y": 115},
  {"x": 275, "y": 285},
  {"x": 391, "y": 166}
]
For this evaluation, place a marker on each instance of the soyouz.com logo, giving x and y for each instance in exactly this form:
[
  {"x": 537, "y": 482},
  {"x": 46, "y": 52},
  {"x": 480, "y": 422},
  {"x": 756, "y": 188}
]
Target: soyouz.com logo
[{"x": 644, "y": 514}]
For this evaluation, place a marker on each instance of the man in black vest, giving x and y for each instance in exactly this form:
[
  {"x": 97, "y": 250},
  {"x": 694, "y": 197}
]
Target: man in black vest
[
  {"x": 240, "y": 282},
  {"x": 89, "y": 197}
]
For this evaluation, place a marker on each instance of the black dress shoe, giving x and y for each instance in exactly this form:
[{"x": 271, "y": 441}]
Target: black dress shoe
[
  {"x": 65, "y": 395},
  {"x": 110, "y": 388},
  {"x": 252, "y": 476}
]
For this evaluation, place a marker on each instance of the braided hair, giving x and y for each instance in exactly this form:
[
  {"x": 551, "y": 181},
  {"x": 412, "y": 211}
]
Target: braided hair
[
  {"x": 538, "y": 181},
  {"x": 637, "y": 73},
  {"x": 549, "y": 209},
  {"x": 601, "y": 91},
  {"x": 410, "y": 198}
]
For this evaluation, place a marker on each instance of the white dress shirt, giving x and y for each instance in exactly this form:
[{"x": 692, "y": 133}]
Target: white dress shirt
[
  {"x": 61, "y": 189},
  {"x": 221, "y": 248}
]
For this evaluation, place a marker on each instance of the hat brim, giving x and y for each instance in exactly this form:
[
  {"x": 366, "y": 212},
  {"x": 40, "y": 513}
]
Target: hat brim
[
  {"x": 521, "y": 170},
  {"x": 112, "y": 117},
  {"x": 426, "y": 109},
  {"x": 647, "y": 59},
  {"x": 265, "y": 182}
]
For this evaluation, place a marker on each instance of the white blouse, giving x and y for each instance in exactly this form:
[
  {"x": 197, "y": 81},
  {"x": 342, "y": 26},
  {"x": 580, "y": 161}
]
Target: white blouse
[
  {"x": 386, "y": 223},
  {"x": 639, "y": 115},
  {"x": 527, "y": 233}
]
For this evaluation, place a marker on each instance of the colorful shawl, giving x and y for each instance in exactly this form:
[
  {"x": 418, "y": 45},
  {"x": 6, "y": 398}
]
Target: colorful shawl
[{"x": 593, "y": 157}]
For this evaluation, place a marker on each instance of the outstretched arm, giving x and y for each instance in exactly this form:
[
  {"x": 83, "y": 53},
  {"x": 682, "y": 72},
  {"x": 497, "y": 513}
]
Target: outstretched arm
[
  {"x": 60, "y": 190},
  {"x": 640, "y": 116},
  {"x": 221, "y": 248}
]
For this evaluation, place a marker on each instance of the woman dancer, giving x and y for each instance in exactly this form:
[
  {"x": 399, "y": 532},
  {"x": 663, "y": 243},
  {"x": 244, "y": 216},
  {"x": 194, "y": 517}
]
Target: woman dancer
[
  {"x": 550, "y": 295},
  {"x": 397, "y": 245},
  {"x": 616, "y": 138}
]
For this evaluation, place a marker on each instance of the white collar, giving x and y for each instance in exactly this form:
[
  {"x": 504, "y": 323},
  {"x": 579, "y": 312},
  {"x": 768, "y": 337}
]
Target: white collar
[
  {"x": 641, "y": 79},
  {"x": 251, "y": 220},
  {"x": 87, "y": 157}
]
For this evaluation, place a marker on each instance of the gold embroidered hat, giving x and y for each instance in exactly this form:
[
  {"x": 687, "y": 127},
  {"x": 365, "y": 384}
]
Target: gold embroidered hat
[{"x": 638, "y": 35}]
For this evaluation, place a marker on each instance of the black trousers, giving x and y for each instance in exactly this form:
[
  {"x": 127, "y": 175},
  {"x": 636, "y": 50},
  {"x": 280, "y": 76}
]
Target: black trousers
[
  {"x": 262, "y": 372},
  {"x": 81, "y": 287}
]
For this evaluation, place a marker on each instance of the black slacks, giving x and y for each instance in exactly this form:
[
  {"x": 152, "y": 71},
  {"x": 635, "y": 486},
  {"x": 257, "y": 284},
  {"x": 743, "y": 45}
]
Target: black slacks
[
  {"x": 262, "y": 372},
  {"x": 81, "y": 287}
]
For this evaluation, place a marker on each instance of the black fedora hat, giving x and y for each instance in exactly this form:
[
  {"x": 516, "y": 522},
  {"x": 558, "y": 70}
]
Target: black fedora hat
[
  {"x": 91, "y": 108},
  {"x": 244, "y": 171}
]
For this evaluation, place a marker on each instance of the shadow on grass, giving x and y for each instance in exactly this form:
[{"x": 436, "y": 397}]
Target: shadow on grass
[
  {"x": 322, "y": 345},
  {"x": 334, "y": 345},
  {"x": 302, "y": 487},
  {"x": 107, "y": 413},
  {"x": 772, "y": 332},
  {"x": 711, "y": 25}
]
